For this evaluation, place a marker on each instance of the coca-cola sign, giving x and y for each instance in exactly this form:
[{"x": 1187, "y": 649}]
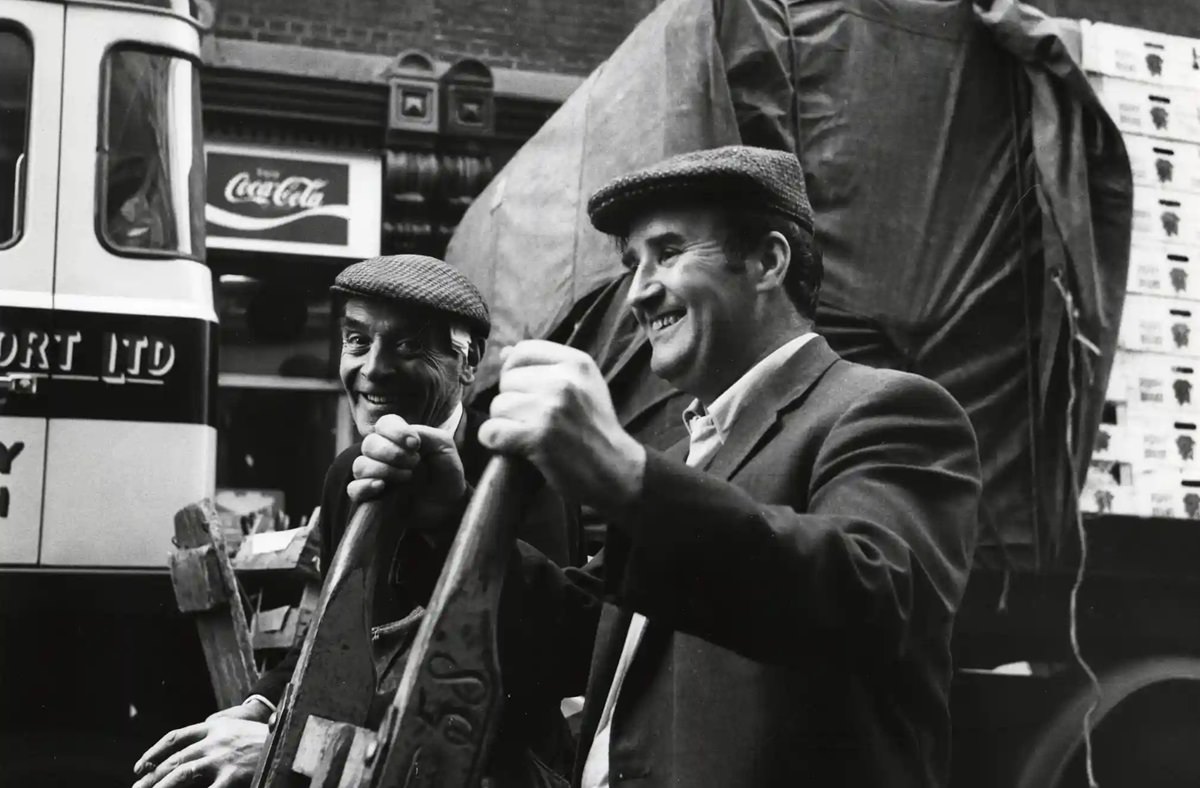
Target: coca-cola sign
[
  {"x": 279, "y": 200},
  {"x": 294, "y": 192}
]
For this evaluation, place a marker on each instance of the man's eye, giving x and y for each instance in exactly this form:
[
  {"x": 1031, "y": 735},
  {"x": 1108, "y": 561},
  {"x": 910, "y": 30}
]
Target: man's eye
[
  {"x": 412, "y": 346},
  {"x": 354, "y": 341},
  {"x": 669, "y": 253}
]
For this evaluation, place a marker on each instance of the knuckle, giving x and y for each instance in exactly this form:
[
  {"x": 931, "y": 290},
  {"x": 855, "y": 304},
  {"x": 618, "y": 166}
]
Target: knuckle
[
  {"x": 360, "y": 465},
  {"x": 500, "y": 406},
  {"x": 577, "y": 378},
  {"x": 563, "y": 398},
  {"x": 542, "y": 430}
]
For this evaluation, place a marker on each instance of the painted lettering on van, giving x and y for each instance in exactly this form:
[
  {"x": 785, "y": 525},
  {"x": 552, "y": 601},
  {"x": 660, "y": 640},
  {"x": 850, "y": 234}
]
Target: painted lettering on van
[
  {"x": 32, "y": 350},
  {"x": 110, "y": 356},
  {"x": 7, "y": 455},
  {"x": 137, "y": 355}
]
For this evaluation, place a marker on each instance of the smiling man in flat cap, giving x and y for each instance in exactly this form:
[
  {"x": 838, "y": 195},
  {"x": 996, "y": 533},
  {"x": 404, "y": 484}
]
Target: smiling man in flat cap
[
  {"x": 412, "y": 332},
  {"x": 774, "y": 602},
  {"x": 781, "y": 587}
]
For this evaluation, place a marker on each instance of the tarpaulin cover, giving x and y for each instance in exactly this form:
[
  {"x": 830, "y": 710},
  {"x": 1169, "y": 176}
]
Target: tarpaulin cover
[{"x": 973, "y": 203}]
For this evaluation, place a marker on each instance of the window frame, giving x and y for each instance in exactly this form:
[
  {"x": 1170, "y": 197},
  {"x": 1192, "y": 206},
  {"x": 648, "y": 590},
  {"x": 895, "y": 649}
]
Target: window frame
[
  {"x": 100, "y": 201},
  {"x": 20, "y": 208}
]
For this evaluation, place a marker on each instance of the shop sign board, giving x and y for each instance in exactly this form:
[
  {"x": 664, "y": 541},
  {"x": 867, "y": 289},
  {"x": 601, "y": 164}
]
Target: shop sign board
[{"x": 292, "y": 201}]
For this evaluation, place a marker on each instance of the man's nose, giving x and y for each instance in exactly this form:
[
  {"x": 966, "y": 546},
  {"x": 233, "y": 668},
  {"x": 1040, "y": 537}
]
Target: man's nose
[
  {"x": 375, "y": 363},
  {"x": 644, "y": 290}
]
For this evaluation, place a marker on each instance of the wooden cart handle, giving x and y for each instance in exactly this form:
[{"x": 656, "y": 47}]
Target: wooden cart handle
[
  {"x": 335, "y": 674},
  {"x": 443, "y": 717}
]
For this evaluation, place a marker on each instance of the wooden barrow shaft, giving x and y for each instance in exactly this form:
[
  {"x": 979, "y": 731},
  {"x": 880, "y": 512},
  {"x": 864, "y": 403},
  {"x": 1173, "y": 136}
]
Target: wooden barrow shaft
[
  {"x": 443, "y": 717},
  {"x": 335, "y": 675}
]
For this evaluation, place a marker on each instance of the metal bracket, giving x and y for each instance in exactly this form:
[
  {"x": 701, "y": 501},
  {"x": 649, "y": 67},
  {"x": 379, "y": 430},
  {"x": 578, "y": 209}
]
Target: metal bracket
[{"x": 17, "y": 384}]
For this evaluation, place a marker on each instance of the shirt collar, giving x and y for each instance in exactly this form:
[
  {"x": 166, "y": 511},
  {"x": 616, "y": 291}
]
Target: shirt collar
[
  {"x": 724, "y": 409},
  {"x": 450, "y": 425}
]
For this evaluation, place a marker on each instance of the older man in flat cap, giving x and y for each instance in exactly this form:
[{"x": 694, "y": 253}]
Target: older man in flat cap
[
  {"x": 778, "y": 591},
  {"x": 412, "y": 332}
]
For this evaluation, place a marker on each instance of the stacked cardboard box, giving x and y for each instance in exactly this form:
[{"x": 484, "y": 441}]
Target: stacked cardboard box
[{"x": 1147, "y": 455}]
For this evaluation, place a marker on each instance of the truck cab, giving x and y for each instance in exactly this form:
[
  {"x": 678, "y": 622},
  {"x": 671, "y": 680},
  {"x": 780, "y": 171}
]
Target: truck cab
[
  {"x": 107, "y": 374},
  {"x": 107, "y": 324}
]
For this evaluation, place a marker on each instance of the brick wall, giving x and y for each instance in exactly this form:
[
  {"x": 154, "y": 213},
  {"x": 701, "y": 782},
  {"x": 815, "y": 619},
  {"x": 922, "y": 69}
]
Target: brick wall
[{"x": 561, "y": 36}]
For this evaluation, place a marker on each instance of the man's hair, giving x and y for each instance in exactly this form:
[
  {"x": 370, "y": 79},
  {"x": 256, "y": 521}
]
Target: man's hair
[{"x": 802, "y": 283}]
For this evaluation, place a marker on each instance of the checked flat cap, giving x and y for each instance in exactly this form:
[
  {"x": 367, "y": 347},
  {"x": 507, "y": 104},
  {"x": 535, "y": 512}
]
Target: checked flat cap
[
  {"x": 417, "y": 279},
  {"x": 737, "y": 175}
]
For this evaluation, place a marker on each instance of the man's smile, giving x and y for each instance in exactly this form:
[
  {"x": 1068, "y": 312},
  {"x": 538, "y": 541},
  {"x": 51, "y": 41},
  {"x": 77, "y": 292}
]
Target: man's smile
[
  {"x": 666, "y": 320},
  {"x": 380, "y": 399}
]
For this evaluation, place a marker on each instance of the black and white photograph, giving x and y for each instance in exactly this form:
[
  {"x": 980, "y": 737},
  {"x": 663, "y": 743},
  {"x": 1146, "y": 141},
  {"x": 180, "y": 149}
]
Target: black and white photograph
[{"x": 599, "y": 393}]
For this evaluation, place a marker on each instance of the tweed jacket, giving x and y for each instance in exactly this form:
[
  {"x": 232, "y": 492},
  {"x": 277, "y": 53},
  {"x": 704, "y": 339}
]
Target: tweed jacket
[{"x": 800, "y": 592}]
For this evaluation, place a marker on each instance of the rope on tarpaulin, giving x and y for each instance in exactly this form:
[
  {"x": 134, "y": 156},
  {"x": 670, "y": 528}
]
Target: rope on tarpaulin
[
  {"x": 1085, "y": 344},
  {"x": 1021, "y": 148}
]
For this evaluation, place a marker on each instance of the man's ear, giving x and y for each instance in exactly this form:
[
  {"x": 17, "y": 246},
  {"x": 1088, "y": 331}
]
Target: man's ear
[
  {"x": 772, "y": 260},
  {"x": 466, "y": 374}
]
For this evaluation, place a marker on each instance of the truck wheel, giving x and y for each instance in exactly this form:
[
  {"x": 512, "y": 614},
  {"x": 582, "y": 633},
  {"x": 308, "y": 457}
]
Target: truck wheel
[{"x": 1145, "y": 731}]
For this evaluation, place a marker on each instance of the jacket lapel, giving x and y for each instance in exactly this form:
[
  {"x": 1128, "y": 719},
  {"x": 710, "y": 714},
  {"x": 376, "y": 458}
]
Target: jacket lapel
[{"x": 761, "y": 409}]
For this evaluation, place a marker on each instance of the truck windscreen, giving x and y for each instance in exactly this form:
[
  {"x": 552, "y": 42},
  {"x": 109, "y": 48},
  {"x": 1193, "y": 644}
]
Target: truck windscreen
[
  {"x": 150, "y": 166},
  {"x": 16, "y": 63}
]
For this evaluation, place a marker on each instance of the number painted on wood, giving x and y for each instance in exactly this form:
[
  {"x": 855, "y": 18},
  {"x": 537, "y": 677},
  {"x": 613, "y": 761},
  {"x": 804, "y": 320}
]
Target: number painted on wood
[{"x": 468, "y": 687}]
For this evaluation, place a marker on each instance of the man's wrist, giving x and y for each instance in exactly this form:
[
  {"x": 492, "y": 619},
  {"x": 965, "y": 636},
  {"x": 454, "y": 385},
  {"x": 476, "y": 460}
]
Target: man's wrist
[
  {"x": 631, "y": 474},
  {"x": 261, "y": 705}
]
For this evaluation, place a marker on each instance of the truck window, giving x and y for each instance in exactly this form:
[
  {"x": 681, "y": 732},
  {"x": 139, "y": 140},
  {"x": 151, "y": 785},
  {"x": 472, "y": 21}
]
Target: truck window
[
  {"x": 150, "y": 165},
  {"x": 16, "y": 69}
]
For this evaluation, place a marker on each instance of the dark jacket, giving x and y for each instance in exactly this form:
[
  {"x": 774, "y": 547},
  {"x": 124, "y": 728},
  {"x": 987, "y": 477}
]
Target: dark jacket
[{"x": 800, "y": 592}]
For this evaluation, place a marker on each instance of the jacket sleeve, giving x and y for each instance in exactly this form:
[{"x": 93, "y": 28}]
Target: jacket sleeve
[
  {"x": 549, "y": 616},
  {"x": 879, "y": 554}
]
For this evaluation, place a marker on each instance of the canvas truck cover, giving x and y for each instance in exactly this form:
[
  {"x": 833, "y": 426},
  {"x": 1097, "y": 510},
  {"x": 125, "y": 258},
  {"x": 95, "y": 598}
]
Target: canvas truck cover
[{"x": 973, "y": 204}]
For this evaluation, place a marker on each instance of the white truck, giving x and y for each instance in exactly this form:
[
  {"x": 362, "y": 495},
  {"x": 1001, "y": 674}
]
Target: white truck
[{"x": 107, "y": 365}]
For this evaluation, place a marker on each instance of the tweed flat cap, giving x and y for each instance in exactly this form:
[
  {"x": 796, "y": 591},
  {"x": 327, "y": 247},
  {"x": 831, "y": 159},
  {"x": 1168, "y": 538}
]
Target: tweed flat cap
[
  {"x": 739, "y": 175},
  {"x": 417, "y": 279}
]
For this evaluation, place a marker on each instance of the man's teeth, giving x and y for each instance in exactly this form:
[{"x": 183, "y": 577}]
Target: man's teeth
[
  {"x": 663, "y": 321},
  {"x": 375, "y": 399}
]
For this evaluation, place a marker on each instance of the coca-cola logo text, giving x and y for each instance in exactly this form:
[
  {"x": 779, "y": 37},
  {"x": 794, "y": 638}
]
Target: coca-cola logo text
[{"x": 266, "y": 188}]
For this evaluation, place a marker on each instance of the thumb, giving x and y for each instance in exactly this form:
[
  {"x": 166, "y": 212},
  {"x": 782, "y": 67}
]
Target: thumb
[
  {"x": 508, "y": 436},
  {"x": 433, "y": 440},
  {"x": 362, "y": 490}
]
